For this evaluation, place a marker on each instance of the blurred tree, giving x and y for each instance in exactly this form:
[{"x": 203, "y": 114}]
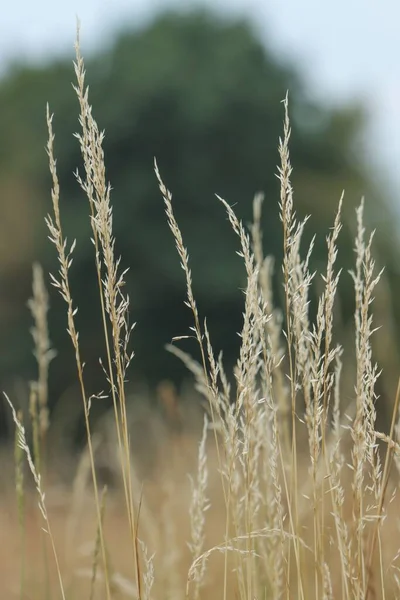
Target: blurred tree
[{"x": 203, "y": 96}]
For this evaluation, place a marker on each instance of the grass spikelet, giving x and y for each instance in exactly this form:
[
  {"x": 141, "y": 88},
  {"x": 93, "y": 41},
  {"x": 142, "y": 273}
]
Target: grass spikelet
[{"x": 148, "y": 572}]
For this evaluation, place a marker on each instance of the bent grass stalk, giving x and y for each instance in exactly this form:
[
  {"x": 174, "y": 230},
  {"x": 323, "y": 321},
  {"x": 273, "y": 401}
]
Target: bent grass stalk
[{"x": 23, "y": 445}]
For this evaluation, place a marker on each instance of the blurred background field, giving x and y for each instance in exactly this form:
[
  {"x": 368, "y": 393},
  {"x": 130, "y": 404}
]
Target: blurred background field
[{"x": 199, "y": 87}]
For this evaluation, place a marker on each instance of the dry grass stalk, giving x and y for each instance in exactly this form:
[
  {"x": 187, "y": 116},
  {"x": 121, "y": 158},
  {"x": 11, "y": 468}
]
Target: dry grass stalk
[
  {"x": 23, "y": 446},
  {"x": 62, "y": 284},
  {"x": 114, "y": 303},
  {"x": 43, "y": 352},
  {"x": 20, "y": 494},
  {"x": 198, "y": 507},
  {"x": 97, "y": 546}
]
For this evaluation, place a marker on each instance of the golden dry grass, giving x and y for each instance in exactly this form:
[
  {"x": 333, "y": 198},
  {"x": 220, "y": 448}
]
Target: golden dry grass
[
  {"x": 292, "y": 491},
  {"x": 76, "y": 551}
]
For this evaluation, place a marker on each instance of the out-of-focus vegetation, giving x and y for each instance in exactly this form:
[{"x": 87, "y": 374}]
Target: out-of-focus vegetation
[{"x": 203, "y": 97}]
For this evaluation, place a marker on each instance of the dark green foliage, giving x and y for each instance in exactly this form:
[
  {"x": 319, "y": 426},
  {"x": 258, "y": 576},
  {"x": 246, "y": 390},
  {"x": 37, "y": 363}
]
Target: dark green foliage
[{"x": 203, "y": 97}]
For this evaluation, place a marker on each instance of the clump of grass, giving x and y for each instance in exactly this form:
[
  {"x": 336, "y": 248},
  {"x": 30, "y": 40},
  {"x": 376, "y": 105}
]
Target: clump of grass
[{"x": 302, "y": 482}]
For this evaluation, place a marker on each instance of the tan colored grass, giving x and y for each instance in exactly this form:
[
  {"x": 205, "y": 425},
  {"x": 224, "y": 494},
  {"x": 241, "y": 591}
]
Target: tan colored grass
[{"x": 289, "y": 495}]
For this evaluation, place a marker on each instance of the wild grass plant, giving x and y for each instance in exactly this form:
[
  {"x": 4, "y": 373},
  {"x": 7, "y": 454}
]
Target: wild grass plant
[{"x": 295, "y": 480}]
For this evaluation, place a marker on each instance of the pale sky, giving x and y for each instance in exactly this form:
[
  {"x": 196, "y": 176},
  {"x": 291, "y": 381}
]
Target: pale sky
[{"x": 345, "y": 49}]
